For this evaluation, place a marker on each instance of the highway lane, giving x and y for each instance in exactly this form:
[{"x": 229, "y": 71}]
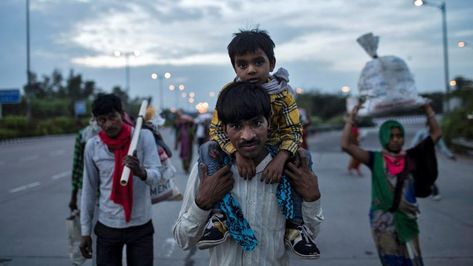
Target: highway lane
[
  {"x": 34, "y": 162},
  {"x": 33, "y": 231}
]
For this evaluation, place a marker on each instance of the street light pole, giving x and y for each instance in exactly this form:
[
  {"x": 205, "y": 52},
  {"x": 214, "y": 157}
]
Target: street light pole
[
  {"x": 181, "y": 87},
  {"x": 173, "y": 90},
  {"x": 28, "y": 71},
  {"x": 161, "y": 78},
  {"x": 127, "y": 72},
  {"x": 443, "y": 8},
  {"x": 127, "y": 65}
]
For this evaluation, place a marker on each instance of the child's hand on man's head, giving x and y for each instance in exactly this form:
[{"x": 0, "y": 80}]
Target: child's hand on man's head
[{"x": 246, "y": 167}]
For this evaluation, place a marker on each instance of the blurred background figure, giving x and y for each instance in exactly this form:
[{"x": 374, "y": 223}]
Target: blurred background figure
[
  {"x": 73, "y": 221},
  {"x": 440, "y": 146},
  {"x": 184, "y": 138},
  {"x": 305, "y": 121},
  {"x": 354, "y": 164},
  {"x": 202, "y": 123},
  {"x": 82, "y": 137},
  {"x": 166, "y": 189},
  {"x": 153, "y": 121}
]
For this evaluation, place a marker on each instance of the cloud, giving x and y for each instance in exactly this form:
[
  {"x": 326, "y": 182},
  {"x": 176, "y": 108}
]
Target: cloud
[
  {"x": 191, "y": 35},
  {"x": 112, "y": 62},
  {"x": 196, "y": 32}
]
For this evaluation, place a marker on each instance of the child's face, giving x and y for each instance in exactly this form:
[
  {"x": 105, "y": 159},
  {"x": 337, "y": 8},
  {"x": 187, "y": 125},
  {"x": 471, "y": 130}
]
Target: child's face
[{"x": 253, "y": 67}]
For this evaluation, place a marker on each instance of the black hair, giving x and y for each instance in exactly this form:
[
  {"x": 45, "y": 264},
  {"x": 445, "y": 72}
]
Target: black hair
[
  {"x": 106, "y": 103},
  {"x": 248, "y": 41},
  {"x": 241, "y": 101}
]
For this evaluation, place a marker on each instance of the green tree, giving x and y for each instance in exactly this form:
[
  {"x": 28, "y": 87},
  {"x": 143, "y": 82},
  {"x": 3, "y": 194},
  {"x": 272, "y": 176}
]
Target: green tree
[
  {"x": 457, "y": 124},
  {"x": 322, "y": 105}
]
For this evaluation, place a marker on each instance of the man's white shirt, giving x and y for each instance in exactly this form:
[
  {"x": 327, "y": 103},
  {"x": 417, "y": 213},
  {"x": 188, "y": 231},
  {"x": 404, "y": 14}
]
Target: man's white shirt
[{"x": 260, "y": 208}]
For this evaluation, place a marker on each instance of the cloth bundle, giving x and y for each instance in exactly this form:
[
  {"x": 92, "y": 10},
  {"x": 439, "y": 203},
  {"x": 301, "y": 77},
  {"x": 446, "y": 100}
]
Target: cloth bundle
[
  {"x": 385, "y": 82},
  {"x": 166, "y": 189},
  {"x": 74, "y": 238}
]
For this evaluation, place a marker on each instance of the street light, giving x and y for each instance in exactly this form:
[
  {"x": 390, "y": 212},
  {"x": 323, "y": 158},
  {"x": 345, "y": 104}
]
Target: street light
[
  {"x": 127, "y": 55},
  {"x": 443, "y": 8},
  {"x": 345, "y": 90},
  {"x": 463, "y": 44},
  {"x": 160, "y": 78}
]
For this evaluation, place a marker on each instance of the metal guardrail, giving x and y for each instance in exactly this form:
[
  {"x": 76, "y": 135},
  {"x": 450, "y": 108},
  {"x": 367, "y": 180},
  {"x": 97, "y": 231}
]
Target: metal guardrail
[{"x": 463, "y": 142}]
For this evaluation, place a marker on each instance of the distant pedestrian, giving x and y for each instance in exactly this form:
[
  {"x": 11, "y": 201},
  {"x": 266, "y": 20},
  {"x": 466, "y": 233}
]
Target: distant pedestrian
[
  {"x": 81, "y": 139},
  {"x": 124, "y": 212},
  {"x": 202, "y": 123},
  {"x": 184, "y": 139},
  {"x": 354, "y": 164},
  {"x": 440, "y": 146},
  {"x": 394, "y": 207},
  {"x": 73, "y": 221}
]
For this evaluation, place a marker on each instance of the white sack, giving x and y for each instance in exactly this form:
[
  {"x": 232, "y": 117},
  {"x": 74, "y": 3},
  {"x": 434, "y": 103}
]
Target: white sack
[
  {"x": 385, "y": 82},
  {"x": 74, "y": 238}
]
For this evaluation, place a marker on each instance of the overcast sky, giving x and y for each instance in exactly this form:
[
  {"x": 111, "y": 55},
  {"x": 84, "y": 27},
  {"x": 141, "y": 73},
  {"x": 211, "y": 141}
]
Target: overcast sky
[{"x": 315, "y": 41}]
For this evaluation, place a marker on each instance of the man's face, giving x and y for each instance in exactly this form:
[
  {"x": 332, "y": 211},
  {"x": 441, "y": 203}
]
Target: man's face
[
  {"x": 110, "y": 123},
  {"x": 253, "y": 67},
  {"x": 249, "y": 136},
  {"x": 396, "y": 141}
]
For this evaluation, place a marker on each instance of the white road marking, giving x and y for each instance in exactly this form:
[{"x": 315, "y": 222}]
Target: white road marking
[
  {"x": 35, "y": 184},
  {"x": 57, "y": 153},
  {"x": 18, "y": 189},
  {"x": 60, "y": 175},
  {"x": 29, "y": 158}
]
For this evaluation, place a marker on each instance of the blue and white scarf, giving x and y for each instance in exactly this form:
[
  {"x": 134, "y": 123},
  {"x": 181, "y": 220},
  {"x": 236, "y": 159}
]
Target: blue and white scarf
[{"x": 238, "y": 227}]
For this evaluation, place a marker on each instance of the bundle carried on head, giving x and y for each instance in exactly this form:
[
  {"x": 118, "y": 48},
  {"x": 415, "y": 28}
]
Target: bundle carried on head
[
  {"x": 153, "y": 117},
  {"x": 385, "y": 82}
]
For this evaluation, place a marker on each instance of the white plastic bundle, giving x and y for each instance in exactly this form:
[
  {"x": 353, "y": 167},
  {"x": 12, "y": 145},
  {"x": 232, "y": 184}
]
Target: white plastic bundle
[
  {"x": 385, "y": 82},
  {"x": 74, "y": 237}
]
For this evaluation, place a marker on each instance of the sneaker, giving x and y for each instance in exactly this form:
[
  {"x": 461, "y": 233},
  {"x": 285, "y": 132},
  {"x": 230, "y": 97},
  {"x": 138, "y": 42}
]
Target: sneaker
[
  {"x": 300, "y": 241},
  {"x": 216, "y": 232}
]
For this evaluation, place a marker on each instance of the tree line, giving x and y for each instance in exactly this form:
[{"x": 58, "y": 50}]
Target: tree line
[{"x": 52, "y": 98}]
